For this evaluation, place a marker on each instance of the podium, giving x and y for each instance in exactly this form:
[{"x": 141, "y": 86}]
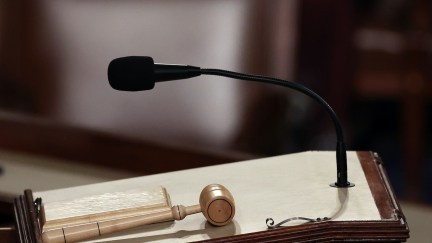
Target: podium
[{"x": 280, "y": 187}]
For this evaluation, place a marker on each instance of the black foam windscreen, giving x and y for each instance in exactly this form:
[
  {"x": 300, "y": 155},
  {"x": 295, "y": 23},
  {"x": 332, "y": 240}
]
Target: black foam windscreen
[{"x": 133, "y": 73}]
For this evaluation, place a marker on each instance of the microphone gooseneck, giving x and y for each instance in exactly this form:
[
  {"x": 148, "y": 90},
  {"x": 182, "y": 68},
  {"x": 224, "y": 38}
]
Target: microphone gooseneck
[
  {"x": 341, "y": 160},
  {"x": 141, "y": 73}
]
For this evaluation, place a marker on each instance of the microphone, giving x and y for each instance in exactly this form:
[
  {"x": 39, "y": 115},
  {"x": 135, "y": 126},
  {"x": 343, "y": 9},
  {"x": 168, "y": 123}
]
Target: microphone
[
  {"x": 140, "y": 73},
  {"x": 136, "y": 73}
]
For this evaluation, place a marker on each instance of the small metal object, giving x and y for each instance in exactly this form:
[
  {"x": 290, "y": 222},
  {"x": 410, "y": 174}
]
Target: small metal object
[
  {"x": 270, "y": 222},
  {"x": 38, "y": 205}
]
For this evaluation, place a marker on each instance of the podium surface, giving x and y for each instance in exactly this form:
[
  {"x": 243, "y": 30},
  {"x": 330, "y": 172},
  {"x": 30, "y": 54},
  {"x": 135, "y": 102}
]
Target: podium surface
[{"x": 281, "y": 187}]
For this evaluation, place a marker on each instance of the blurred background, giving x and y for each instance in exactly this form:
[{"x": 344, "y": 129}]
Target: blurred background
[{"x": 370, "y": 59}]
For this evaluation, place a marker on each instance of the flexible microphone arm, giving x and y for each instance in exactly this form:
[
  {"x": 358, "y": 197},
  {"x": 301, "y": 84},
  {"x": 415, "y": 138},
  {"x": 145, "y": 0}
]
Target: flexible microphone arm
[
  {"x": 341, "y": 159},
  {"x": 141, "y": 73}
]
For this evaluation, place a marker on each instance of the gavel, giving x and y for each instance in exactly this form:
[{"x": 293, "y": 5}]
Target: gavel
[{"x": 215, "y": 202}]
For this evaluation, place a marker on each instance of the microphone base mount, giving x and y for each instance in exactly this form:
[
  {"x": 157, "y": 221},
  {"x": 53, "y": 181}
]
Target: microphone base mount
[{"x": 349, "y": 184}]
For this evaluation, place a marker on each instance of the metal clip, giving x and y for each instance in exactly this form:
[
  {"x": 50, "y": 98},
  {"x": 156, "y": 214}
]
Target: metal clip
[{"x": 270, "y": 222}]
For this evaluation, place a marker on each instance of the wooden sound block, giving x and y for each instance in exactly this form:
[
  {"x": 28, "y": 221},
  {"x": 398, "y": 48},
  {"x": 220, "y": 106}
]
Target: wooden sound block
[
  {"x": 107, "y": 204},
  {"x": 279, "y": 187}
]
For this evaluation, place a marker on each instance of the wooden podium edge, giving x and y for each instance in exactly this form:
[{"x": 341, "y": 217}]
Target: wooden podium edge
[
  {"x": 379, "y": 184},
  {"x": 392, "y": 228},
  {"x": 26, "y": 222}
]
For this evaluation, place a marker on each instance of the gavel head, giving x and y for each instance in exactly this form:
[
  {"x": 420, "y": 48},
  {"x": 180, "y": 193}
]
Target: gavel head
[{"x": 217, "y": 204}]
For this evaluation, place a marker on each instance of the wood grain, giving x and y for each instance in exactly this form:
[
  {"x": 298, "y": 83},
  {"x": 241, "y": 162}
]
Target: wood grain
[{"x": 105, "y": 206}]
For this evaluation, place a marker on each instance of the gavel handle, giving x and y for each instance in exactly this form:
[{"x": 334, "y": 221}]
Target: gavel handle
[{"x": 91, "y": 230}]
